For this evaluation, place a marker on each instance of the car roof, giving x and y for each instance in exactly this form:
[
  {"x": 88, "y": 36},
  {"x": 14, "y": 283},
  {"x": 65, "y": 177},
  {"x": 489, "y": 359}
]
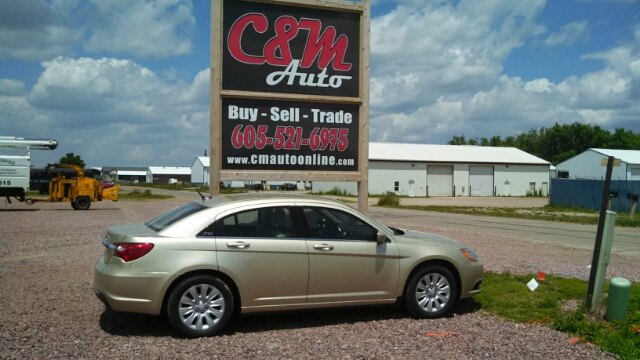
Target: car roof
[{"x": 217, "y": 200}]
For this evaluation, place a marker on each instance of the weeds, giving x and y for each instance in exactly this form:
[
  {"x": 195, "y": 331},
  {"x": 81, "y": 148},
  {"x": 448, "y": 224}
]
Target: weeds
[
  {"x": 507, "y": 296},
  {"x": 335, "y": 191},
  {"x": 147, "y": 194},
  {"x": 390, "y": 200}
]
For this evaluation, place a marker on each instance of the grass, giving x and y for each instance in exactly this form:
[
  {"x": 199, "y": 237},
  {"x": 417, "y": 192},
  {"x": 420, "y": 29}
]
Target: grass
[
  {"x": 186, "y": 187},
  {"x": 507, "y": 296},
  {"x": 178, "y": 186},
  {"x": 335, "y": 192},
  {"x": 142, "y": 195}
]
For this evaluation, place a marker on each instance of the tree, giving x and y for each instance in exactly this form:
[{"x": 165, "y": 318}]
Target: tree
[
  {"x": 69, "y": 158},
  {"x": 457, "y": 140},
  {"x": 560, "y": 142}
]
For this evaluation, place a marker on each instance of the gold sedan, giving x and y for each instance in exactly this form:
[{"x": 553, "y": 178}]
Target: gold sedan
[{"x": 200, "y": 262}]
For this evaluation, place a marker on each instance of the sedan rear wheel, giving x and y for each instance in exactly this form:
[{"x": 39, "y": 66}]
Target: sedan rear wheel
[
  {"x": 431, "y": 293},
  {"x": 200, "y": 306}
]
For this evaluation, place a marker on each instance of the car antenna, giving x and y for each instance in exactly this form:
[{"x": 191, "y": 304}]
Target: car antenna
[{"x": 202, "y": 196}]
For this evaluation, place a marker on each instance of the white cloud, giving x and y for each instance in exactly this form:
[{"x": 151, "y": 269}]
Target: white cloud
[
  {"x": 111, "y": 112},
  {"x": 19, "y": 118},
  {"x": 11, "y": 87},
  {"x": 422, "y": 52},
  {"x": 41, "y": 30},
  {"x": 34, "y": 30},
  {"x": 142, "y": 27},
  {"x": 568, "y": 34},
  {"x": 437, "y": 73}
]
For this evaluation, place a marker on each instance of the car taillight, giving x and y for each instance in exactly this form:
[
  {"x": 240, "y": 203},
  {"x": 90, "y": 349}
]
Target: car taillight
[{"x": 130, "y": 252}]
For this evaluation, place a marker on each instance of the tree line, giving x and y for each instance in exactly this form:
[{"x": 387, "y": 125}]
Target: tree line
[{"x": 560, "y": 142}]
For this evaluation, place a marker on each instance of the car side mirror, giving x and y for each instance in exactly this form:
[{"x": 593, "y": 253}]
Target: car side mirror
[{"x": 381, "y": 237}]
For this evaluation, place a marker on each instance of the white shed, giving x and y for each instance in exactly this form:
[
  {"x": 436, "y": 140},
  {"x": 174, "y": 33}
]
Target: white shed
[
  {"x": 588, "y": 165},
  {"x": 200, "y": 171},
  {"x": 162, "y": 174},
  {"x": 449, "y": 170}
]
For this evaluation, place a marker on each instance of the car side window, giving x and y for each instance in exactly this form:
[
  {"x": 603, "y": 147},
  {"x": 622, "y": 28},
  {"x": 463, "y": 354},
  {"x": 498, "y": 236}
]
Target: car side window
[
  {"x": 257, "y": 223},
  {"x": 327, "y": 223},
  {"x": 275, "y": 222}
]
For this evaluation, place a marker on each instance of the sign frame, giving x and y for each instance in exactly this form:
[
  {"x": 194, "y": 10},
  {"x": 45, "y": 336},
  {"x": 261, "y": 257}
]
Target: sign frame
[{"x": 217, "y": 174}]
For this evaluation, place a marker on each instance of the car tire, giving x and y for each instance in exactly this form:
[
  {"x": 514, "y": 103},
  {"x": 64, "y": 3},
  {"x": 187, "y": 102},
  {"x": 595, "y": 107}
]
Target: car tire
[
  {"x": 82, "y": 203},
  {"x": 432, "y": 292},
  {"x": 200, "y": 306},
  {"x": 73, "y": 205}
]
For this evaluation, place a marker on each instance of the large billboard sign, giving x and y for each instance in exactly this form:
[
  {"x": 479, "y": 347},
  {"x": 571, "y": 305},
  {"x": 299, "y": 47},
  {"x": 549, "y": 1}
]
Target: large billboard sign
[
  {"x": 289, "y": 135},
  {"x": 289, "y": 94},
  {"x": 289, "y": 49}
]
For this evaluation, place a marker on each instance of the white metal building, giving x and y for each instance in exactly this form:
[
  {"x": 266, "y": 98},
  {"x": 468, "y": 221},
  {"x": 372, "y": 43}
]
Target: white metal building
[
  {"x": 200, "y": 170},
  {"x": 161, "y": 174},
  {"x": 200, "y": 175},
  {"x": 449, "y": 170},
  {"x": 125, "y": 173},
  {"x": 588, "y": 165}
]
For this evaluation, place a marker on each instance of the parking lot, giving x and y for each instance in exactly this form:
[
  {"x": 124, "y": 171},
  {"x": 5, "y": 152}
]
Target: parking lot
[{"x": 48, "y": 309}]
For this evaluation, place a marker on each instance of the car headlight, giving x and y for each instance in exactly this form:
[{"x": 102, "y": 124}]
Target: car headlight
[{"x": 470, "y": 254}]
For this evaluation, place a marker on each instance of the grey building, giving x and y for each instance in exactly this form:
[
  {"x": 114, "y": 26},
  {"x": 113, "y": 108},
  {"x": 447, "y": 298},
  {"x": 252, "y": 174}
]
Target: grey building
[{"x": 588, "y": 165}]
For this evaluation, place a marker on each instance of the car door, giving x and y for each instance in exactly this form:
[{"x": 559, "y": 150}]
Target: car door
[
  {"x": 346, "y": 264},
  {"x": 260, "y": 250}
]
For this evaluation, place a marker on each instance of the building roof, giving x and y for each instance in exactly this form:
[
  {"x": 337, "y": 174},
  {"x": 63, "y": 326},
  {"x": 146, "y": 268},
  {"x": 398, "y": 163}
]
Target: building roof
[
  {"x": 131, "y": 173},
  {"x": 204, "y": 160},
  {"x": 383, "y": 151},
  {"x": 124, "y": 168},
  {"x": 628, "y": 156},
  {"x": 451, "y": 154},
  {"x": 170, "y": 170}
]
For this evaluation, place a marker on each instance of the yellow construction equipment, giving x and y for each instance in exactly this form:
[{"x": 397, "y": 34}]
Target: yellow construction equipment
[{"x": 80, "y": 191}]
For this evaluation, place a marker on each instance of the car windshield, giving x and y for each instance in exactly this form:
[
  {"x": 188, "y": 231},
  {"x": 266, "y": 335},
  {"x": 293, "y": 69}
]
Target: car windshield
[
  {"x": 161, "y": 222},
  {"x": 384, "y": 227}
]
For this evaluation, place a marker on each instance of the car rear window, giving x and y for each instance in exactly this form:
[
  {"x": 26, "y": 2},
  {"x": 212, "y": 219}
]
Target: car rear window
[{"x": 163, "y": 221}]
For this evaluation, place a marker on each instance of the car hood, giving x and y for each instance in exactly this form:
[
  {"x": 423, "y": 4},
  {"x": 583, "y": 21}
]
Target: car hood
[{"x": 417, "y": 237}]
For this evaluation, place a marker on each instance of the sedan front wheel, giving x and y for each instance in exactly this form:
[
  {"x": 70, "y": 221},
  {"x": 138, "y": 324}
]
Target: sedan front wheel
[
  {"x": 431, "y": 293},
  {"x": 200, "y": 306}
]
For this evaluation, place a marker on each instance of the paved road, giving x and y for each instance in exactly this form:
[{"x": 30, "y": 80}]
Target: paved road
[{"x": 626, "y": 241}]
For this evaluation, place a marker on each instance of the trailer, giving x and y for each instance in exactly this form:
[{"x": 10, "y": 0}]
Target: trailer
[
  {"x": 66, "y": 182},
  {"x": 79, "y": 190}
]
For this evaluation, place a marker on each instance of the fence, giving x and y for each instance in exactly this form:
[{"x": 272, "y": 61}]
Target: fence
[{"x": 588, "y": 193}]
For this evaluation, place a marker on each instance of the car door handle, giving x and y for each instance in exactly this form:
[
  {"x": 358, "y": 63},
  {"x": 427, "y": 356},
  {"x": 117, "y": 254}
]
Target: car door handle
[
  {"x": 239, "y": 245},
  {"x": 323, "y": 247}
]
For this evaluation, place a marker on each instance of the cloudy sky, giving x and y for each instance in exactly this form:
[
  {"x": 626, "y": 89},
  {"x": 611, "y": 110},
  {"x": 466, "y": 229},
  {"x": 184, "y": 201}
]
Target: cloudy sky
[{"x": 126, "y": 82}]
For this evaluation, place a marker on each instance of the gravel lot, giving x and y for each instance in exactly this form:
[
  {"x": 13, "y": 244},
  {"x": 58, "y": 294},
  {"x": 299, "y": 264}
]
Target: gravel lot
[{"x": 48, "y": 309}]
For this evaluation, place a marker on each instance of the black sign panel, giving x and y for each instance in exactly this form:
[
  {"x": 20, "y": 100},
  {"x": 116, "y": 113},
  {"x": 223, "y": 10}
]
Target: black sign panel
[
  {"x": 289, "y": 135},
  {"x": 289, "y": 49}
]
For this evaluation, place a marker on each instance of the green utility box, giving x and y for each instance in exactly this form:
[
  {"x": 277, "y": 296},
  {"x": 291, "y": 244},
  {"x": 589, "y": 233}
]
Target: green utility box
[{"x": 618, "y": 301}]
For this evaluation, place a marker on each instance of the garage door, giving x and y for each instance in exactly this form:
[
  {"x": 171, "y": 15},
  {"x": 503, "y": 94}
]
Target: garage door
[
  {"x": 439, "y": 180},
  {"x": 635, "y": 173},
  {"x": 481, "y": 180}
]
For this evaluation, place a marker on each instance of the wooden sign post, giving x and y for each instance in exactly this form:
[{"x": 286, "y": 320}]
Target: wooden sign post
[{"x": 290, "y": 91}]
